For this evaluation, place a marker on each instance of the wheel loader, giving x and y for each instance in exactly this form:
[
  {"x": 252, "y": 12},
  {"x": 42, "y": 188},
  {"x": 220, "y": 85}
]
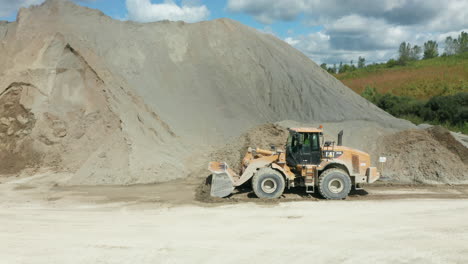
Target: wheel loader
[{"x": 308, "y": 162}]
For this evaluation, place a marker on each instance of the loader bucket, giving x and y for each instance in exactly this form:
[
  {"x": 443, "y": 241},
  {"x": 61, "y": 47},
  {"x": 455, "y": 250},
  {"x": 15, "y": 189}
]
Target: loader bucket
[{"x": 222, "y": 183}]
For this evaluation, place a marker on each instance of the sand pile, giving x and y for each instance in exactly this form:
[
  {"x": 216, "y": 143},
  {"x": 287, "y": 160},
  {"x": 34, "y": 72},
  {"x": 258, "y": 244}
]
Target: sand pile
[
  {"x": 262, "y": 136},
  {"x": 449, "y": 142},
  {"x": 429, "y": 155},
  {"x": 121, "y": 102},
  {"x": 425, "y": 156},
  {"x": 16, "y": 123}
]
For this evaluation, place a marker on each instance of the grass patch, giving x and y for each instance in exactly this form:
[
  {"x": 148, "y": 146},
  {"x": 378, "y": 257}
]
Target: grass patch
[
  {"x": 433, "y": 91},
  {"x": 421, "y": 79}
]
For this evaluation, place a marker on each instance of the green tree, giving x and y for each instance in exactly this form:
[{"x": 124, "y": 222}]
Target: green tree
[
  {"x": 408, "y": 53},
  {"x": 323, "y": 66},
  {"x": 450, "y": 46},
  {"x": 462, "y": 43},
  {"x": 371, "y": 94},
  {"x": 431, "y": 49},
  {"x": 404, "y": 53},
  {"x": 392, "y": 63},
  {"x": 352, "y": 67},
  {"x": 346, "y": 68},
  {"x": 361, "y": 62},
  {"x": 415, "y": 52},
  {"x": 458, "y": 45}
]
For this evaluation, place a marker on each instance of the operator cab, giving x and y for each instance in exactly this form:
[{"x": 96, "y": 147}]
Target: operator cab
[{"x": 303, "y": 146}]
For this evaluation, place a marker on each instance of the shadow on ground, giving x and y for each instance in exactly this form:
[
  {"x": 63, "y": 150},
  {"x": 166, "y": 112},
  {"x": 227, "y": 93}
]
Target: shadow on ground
[{"x": 244, "y": 193}]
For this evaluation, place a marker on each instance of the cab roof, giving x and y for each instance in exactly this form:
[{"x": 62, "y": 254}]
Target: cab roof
[{"x": 306, "y": 129}]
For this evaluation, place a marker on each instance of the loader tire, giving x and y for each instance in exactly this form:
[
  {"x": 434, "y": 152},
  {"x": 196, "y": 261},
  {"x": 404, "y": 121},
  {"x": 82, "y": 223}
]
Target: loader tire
[
  {"x": 334, "y": 184},
  {"x": 268, "y": 183}
]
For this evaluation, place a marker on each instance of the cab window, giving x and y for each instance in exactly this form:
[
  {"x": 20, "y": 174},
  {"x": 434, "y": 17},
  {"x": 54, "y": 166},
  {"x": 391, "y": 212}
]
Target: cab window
[
  {"x": 315, "y": 142},
  {"x": 292, "y": 143},
  {"x": 306, "y": 143}
]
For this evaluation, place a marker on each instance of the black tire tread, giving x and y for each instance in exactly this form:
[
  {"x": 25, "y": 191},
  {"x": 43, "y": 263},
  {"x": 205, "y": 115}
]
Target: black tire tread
[
  {"x": 256, "y": 177},
  {"x": 325, "y": 174}
]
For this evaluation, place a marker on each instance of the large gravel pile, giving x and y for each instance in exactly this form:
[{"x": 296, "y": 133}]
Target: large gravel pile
[
  {"x": 425, "y": 156},
  {"x": 121, "y": 102},
  {"x": 429, "y": 156}
]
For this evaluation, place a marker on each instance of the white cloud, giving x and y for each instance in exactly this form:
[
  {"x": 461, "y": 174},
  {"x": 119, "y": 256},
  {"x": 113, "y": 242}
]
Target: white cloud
[
  {"x": 354, "y": 28},
  {"x": 267, "y": 11},
  {"x": 292, "y": 41},
  {"x": 402, "y": 12},
  {"x": 355, "y": 32},
  {"x": 317, "y": 46},
  {"x": 145, "y": 11},
  {"x": 9, "y": 7}
]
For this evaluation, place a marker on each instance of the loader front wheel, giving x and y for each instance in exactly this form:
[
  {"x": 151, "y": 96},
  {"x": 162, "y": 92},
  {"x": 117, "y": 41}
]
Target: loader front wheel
[
  {"x": 268, "y": 183},
  {"x": 334, "y": 184}
]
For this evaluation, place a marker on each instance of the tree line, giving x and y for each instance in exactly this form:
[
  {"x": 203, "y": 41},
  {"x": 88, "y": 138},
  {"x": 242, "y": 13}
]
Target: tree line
[
  {"x": 408, "y": 53},
  {"x": 450, "y": 111}
]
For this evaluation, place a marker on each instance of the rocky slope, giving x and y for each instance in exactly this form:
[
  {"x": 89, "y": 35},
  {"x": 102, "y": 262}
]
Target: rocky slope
[{"x": 121, "y": 102}]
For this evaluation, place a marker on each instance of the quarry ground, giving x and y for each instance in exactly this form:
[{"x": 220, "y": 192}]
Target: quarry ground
[
  {"x": 163, "y": 224},
  {"x": 120, "y": 103}
]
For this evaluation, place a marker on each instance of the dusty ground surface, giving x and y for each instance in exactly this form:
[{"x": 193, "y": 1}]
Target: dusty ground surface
[
  {"x": 143, "y": 224},
  {"x": 46, "y": 187},
  {"x": 100, "y": 110}
]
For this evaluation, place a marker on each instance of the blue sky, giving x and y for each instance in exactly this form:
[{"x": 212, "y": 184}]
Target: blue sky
[
  {"x": 117, "y": 9},
  {"x": 217, "y": 8},
  {"x": 325, "y": 30}
]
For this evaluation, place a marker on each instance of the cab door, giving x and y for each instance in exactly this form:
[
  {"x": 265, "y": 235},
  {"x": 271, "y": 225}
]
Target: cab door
[
  {"x": 293, "y": 149},
  {"x": 303, "y": 148},
  {"x": 315, "y": 152},
  {"x": 310, "y": 151}
]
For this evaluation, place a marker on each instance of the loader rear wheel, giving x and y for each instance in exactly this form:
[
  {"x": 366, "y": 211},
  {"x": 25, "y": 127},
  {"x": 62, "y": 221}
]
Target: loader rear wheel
[
  {"x": 334, "y": 184},
  {"x": 268, "y": 183}
]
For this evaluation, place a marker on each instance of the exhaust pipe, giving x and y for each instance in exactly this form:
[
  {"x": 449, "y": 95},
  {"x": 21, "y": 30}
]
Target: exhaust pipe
[{"x": 340, "y": 138}]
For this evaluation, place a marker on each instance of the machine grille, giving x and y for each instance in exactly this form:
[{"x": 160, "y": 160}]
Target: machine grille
[{"x": 355, "y": 163}]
